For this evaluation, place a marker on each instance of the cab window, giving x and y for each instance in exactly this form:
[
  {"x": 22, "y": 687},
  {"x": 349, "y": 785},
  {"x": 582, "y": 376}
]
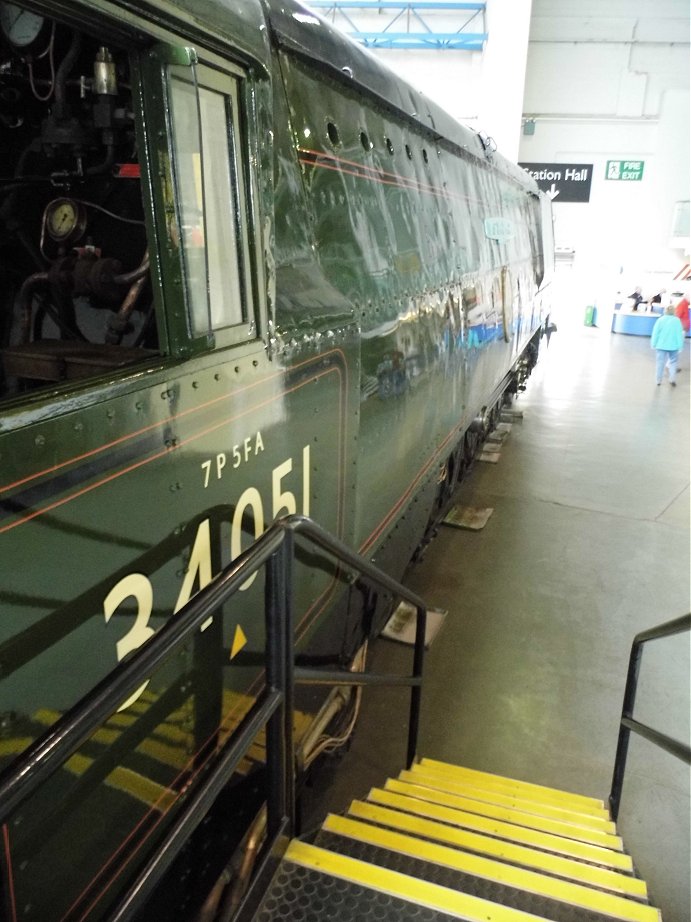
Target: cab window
[
  {"x": 210, "y": 196},
  {"x": 77, "y": 298}
]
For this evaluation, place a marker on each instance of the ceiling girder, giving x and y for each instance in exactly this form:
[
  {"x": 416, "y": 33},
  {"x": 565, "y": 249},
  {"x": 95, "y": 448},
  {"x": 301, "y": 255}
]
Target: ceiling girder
[{"x": 413, "y": 31}]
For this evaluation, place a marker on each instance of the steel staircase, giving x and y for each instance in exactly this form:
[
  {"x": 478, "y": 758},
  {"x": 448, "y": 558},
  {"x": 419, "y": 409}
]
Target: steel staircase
[
  {"x": 438, "y": 842},
  {"x": 445, "y": 842}
]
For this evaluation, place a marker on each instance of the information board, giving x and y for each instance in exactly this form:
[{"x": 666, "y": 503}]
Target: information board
[{"x": 563, "y": 182}]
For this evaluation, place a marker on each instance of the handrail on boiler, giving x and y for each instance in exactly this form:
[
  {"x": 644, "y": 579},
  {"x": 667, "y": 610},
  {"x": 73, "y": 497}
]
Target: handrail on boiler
[
  {"x": 273, "y": 708},
  {"x": 628, "y": 724}
]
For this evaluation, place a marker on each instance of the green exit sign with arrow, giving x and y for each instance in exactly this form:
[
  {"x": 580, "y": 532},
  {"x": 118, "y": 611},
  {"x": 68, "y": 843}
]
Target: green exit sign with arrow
[{"x": 627, "y": 170}]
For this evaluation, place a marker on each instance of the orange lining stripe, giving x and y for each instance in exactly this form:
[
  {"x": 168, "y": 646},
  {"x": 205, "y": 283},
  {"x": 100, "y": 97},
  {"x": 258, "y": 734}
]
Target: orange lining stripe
[
  {"x": 381, "y": 181},
  {"x": 375, "y": 174},
  {"x": 408, "y": 492},
  {"x": 169, "y": 419},
  {"x": 10, "y": 872},
  {"x": 227, "y": 718},
  {"x": 159, "y": 454}
]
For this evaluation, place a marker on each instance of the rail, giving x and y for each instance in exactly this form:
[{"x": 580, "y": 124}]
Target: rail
[
  {"x": 273, "y": 708},
  {"x": 628, "y": 725}
]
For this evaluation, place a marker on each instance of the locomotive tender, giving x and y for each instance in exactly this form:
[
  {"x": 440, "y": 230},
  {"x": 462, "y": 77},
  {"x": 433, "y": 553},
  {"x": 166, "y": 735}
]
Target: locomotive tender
[{"x": 246, "y": 272}]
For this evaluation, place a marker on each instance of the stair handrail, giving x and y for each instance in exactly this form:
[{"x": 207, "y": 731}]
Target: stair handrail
[
  {"x": 627, "y": 723},
  {"x": 273, "y": 707}
]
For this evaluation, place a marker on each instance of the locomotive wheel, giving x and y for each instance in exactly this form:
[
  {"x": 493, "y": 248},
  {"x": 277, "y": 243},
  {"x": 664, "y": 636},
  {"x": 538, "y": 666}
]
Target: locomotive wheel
[{"x": 470, "y": 444}]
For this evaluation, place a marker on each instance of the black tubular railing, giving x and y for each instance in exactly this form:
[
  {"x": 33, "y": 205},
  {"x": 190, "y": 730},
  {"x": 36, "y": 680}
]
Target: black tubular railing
[
  {"x": 628, "y": 725},
  {"x": 273, "y": 708}
]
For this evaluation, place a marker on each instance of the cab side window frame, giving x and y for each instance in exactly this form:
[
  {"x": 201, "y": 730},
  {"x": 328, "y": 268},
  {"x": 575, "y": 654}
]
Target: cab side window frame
[{"x": 202, "y": 193}]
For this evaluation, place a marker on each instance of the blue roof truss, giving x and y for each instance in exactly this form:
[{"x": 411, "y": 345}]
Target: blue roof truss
[{"x": 413, "y": 30}]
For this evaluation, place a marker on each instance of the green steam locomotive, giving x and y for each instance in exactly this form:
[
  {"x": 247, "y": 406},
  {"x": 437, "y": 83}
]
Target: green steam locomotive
[{"x": 246, "y": 272}]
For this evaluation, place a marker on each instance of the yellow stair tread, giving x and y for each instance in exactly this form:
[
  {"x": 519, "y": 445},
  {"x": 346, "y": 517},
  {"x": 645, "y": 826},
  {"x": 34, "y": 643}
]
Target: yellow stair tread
[
  {"x": 578, "y": 801},
  {"x": 393, "y": 883},
  {"x": 574, "y": 894},
  {"x": 498, "y": 825},
  {"x": 507, "y": 808},
  {"x": 573, "y": 866},
  {"x": 480, "y": 790}
]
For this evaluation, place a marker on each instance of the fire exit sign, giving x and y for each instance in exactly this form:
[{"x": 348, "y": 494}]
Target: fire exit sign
[{"x": 631, "y": 170}]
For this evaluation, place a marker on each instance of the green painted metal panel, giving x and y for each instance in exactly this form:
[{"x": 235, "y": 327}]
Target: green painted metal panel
[{"x": 392, "y": 275}]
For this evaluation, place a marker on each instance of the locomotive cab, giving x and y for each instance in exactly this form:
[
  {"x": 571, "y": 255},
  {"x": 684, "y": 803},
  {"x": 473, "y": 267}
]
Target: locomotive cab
[
  {"x": 92, "y": 122},
  {"x": 76, "y": 292}
]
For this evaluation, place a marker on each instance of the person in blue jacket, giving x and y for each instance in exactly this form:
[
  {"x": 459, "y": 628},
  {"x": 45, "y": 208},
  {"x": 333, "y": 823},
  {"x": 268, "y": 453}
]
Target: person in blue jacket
[{"x": 668, "y": 339}]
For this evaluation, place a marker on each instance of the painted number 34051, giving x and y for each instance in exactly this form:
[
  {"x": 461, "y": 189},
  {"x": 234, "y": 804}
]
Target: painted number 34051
[{"x": 138, "y": 586}]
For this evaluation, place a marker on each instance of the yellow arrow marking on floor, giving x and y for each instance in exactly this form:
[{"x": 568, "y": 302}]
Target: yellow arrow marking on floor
[{"x": 239, "y": 641}]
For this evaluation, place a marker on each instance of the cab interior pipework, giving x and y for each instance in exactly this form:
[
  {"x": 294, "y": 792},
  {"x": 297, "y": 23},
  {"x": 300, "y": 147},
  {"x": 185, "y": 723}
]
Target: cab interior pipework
[{"x": 73, "y": 250}]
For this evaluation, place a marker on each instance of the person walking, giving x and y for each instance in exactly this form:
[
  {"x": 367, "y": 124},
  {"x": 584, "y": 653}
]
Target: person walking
[{"x": 667, "y": 339}]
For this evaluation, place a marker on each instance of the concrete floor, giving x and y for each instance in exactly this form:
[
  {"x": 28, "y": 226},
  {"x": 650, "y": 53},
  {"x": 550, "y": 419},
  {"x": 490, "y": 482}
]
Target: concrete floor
[{"x": 588, "y": 544}]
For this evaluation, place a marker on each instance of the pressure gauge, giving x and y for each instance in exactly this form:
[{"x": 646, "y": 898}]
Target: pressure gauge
[
  {"x": 65, "y": 220},
  {"x": 21, "y": 27}
]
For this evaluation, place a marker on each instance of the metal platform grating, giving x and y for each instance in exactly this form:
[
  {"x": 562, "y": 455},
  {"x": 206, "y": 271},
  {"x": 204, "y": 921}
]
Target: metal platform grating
[{"x": 298, "y": 893}]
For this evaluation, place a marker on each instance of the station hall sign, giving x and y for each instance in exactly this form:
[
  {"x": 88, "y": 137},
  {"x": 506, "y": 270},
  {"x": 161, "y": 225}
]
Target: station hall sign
[{"x": 563, "y": 182}]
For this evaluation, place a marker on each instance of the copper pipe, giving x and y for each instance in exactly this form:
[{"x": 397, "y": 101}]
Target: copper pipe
[
  {"x": 249, "y": 856},
  {"x": 118, "y": 323},
  {"x": 208, "y": 911},
  {"x": 126, "y": 278}
]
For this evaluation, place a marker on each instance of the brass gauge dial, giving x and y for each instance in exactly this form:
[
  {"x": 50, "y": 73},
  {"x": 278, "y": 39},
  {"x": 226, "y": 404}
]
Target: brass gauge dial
[{"x": 65, "y": 220}]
